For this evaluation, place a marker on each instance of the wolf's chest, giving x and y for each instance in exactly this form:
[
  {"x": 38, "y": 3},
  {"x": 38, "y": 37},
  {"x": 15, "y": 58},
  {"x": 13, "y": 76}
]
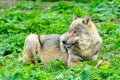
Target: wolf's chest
[{"x": 87, "y": 52}]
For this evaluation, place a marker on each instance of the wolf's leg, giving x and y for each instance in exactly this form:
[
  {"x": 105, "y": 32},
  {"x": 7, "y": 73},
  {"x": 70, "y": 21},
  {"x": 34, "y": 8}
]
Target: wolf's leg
[
  {"x": 73, "y": 60},
  {"x": 94, "y": 57}
]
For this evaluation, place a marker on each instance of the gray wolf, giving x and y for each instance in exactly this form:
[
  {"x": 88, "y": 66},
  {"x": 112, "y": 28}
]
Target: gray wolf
[{"x": 81, "y": 42}]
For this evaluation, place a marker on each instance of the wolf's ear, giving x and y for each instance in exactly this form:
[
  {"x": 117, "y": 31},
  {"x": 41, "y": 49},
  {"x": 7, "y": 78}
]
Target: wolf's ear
[
  {"x": 74, "y": 17},
  {"x": 86, "y": 19}
]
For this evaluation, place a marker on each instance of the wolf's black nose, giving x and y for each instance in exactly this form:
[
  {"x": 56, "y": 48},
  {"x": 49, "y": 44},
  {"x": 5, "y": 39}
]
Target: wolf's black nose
[{"x": 64, "y": 42}]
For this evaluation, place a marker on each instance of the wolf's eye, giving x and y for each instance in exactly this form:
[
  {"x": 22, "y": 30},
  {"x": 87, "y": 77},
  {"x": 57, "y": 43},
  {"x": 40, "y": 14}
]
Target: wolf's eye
[{"x": 75, "y": 31}]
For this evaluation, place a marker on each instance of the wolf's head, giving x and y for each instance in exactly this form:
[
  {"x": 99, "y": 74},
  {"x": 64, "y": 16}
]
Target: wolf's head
[{"x": 80, "y": 32}]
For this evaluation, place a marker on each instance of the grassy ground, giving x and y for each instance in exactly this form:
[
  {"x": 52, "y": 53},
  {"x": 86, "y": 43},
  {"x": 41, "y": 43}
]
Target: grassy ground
[{"x": 27, "y": 17}]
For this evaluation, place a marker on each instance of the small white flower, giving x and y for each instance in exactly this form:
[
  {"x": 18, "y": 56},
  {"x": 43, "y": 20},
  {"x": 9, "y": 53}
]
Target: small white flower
[{"x": 60, "y": 76}]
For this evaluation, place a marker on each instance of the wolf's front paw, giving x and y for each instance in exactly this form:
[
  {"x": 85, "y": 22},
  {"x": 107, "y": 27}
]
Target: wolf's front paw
[
  {"x": 73, "y": 64},
  {"x": 102, "y": 63}
]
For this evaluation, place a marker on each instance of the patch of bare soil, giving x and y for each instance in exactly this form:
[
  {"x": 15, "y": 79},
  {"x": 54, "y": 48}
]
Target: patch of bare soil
[
  {"x": 48, "y": 4},
  {"x": 8, "y": 3}
]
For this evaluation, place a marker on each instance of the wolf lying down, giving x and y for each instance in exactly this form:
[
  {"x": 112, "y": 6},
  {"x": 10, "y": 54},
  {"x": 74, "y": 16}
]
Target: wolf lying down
[{"x": 81, "y": 42}]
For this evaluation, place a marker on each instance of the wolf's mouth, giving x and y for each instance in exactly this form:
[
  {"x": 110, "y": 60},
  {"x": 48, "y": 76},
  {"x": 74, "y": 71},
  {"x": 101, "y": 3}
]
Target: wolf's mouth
[{"x": 69, "y": 46}]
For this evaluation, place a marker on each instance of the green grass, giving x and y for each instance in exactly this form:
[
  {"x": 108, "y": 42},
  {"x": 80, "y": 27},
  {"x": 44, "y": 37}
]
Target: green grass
[{"x": 26, "y": 17}]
